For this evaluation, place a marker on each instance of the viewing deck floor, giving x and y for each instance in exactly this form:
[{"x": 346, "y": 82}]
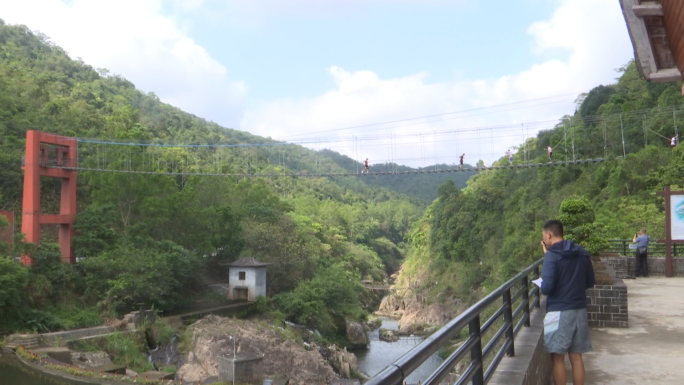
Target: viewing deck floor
[{"x": 650, "y": 351}]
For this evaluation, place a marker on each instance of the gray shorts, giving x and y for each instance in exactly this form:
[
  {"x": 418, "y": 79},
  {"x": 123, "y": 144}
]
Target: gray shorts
[{"x": 567, "y": 331}]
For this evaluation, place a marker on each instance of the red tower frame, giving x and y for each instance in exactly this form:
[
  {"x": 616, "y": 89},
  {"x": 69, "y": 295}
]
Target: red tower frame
[{"x": 39, "y": 157}]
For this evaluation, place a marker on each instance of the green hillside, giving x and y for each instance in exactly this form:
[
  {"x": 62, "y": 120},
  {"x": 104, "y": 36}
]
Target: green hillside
[
  {"x": 153, "y": 238},
  {"x": 471, "y": 241}
]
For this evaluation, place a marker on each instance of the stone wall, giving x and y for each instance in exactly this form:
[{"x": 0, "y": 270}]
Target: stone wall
[
  {"x": 607, "y": 305},
  {"x": 624, "y": 266}
]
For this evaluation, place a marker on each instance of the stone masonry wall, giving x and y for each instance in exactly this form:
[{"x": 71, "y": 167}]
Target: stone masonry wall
[
  {"x": 624, "y": 266},
  {"x": 607, "y": 305}
]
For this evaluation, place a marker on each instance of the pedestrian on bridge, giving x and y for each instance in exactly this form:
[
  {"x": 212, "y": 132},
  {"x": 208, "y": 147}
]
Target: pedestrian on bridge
[
  {"x": 366, "y": 167},
  {"x": 641, "y": 259},
  {"x": 510, "y": 157},
  {"x": 566, "y": 275},
  {"x": 460, "y": 166},
  {"x": 673, "y": 142},
  {"x": 550, "y": 151}
]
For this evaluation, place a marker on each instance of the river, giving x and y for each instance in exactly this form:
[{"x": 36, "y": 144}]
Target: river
[{"x": 381, "y": 354}]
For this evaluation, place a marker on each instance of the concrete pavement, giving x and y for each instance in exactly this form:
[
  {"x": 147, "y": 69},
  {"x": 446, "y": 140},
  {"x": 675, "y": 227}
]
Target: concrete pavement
[{"x": 651, "y": 350}]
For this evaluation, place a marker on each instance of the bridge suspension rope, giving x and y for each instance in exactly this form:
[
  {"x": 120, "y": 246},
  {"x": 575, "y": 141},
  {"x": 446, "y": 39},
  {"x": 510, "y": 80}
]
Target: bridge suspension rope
[{"x": 580, "y": 143}]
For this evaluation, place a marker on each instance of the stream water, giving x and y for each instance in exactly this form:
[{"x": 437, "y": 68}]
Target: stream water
[{"x": 381, "y": 354}]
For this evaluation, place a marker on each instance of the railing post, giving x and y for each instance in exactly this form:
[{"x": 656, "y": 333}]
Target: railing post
[
  {"x": 476, "y": 351},
  {"x": 526, "y": 298},
  {"x": 508, "y": 318},
  {"x": 537, "y": 299},
  {"x": 624, "y": 247}
]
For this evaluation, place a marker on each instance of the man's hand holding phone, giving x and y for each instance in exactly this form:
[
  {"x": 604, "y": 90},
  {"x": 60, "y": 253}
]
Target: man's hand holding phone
[{"x": 543, "y": 246}]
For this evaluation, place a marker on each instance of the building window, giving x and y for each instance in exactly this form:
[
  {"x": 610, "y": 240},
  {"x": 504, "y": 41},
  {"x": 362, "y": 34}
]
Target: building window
[{"x": 242, "y": 275}]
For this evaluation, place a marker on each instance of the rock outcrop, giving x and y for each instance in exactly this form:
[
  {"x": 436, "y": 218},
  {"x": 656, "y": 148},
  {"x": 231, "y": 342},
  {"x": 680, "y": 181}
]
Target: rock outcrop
[
  {"x": 388, "y": 335},
  {"x": 343, "y": 361},
  {"x": 300, "y": 362},
  {"x": 372, "y": 323},
  {"x": 356, "y": 334},
  {"x": 415, "y": 314},
  {"x": 420, "y": 316}
]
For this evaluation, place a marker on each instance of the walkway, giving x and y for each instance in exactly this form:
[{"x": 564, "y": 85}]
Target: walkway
[{"x": 650, "y": 351}]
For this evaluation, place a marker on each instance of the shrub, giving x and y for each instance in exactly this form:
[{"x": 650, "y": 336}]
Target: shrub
[{"x": 128, "y": 350}]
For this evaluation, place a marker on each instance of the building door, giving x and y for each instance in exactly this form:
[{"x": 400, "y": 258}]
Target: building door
[{"x": 241, "y": 293}]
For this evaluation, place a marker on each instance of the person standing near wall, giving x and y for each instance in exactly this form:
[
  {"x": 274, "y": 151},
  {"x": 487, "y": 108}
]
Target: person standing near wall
[
  {"x": 566, "y": 275},
  {"x": 641, "y": 265}
]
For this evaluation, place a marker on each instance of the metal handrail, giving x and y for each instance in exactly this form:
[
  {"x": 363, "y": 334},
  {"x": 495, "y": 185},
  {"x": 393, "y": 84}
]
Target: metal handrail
[
  {"x": 397, "y": 372},
  {"x": 655, "y": 248}
]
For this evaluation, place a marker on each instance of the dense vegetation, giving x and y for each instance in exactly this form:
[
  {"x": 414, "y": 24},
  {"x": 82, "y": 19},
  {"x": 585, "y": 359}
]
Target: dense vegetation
[
  {"x": 158, "y": 238},
  {"x": 472, "y": 240}
]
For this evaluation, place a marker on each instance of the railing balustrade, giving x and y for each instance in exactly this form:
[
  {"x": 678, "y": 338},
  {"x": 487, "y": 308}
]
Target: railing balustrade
[
  {"x": 483, "y": 360},
  {"x": 655, "y": 248}
]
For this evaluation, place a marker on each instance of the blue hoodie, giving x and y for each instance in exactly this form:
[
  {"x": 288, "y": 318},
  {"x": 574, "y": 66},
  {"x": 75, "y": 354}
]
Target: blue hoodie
[{"x": 567, "y": 274}]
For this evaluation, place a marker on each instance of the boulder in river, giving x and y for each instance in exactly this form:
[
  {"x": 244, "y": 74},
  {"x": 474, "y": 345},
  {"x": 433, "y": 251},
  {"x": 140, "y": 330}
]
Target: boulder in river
[
  {"x": 388, "y": 335},
  {"x": 373, "y": 323},
  {"x": 356, "y": 334}
]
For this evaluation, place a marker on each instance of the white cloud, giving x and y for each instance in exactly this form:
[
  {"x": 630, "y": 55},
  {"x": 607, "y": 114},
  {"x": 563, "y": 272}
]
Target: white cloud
[
  {"x": 133, "y": 38},
  {"x": 260, "y": 14},
  {"x": 592, "y": 31},
  {"x": 136, "y": 39}
]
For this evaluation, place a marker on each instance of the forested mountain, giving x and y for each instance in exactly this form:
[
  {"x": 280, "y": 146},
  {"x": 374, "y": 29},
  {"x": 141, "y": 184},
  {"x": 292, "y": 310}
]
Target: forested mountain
[
  {"x": 153, "y": 238},
  {"x": 422, "y": 185},
  {"x": 471, "y": 241}
]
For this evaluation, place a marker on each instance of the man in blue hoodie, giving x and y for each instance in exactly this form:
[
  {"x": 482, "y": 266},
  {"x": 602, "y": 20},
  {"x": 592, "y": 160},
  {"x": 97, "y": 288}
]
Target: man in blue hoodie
[{"x": 566, "y": 276}]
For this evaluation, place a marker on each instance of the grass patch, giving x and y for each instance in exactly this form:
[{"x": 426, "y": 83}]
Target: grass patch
[
  {"x": 169, "y": 369},
  {"x": 163, "y": 331},
  {"x": 128, "y": 350},
  {"x": 185, "y": 341}
]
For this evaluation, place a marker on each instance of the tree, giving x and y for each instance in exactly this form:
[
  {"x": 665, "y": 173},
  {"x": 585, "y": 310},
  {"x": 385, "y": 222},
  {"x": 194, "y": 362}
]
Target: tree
[
  {"x": 13, "y": 280},
  {"x": 324, "y": 301},
  {"x": 155, "y": 273},
  {"x": 94, "y": 231},
  {"x": 579, "y": 224}
]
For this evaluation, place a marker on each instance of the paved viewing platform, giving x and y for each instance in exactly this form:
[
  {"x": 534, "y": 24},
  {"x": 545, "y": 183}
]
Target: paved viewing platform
[{"x": 651, "y": 350}]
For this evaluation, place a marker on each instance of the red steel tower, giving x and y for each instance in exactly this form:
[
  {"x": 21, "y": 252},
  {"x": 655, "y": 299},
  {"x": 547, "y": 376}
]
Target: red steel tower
[{"x": 44, "y": 160}]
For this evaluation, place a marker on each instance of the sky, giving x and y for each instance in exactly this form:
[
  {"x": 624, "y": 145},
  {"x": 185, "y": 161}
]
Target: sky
[{"x": 410, "y": 81}]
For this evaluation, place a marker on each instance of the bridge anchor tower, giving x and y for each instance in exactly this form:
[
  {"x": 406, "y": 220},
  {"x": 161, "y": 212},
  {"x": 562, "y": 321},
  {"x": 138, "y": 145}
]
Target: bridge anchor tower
[{"x": 43, "y": 150}]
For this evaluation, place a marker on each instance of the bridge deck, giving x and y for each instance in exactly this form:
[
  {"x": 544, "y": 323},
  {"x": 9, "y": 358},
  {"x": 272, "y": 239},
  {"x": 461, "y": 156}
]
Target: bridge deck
[{"x": 650, "y": 351}]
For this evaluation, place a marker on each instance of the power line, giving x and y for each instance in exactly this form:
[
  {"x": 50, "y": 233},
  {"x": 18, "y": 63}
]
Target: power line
[{"x": 436, "y": 115}]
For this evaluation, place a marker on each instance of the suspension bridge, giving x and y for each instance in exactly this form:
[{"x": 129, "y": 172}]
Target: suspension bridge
[
  {"x": 574, "y": 141},
  {"x": 596, "y": 137}
]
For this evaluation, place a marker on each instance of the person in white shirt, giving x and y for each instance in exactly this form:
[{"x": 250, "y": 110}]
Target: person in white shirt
[
  {"x": 673, "y": 141},
  {"x": 550, "y": 151}
]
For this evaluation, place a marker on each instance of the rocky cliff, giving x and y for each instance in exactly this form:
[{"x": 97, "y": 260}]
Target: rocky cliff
[
  {"x": 416, "y": 311},
  {"x": 286, "y": 354}
]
